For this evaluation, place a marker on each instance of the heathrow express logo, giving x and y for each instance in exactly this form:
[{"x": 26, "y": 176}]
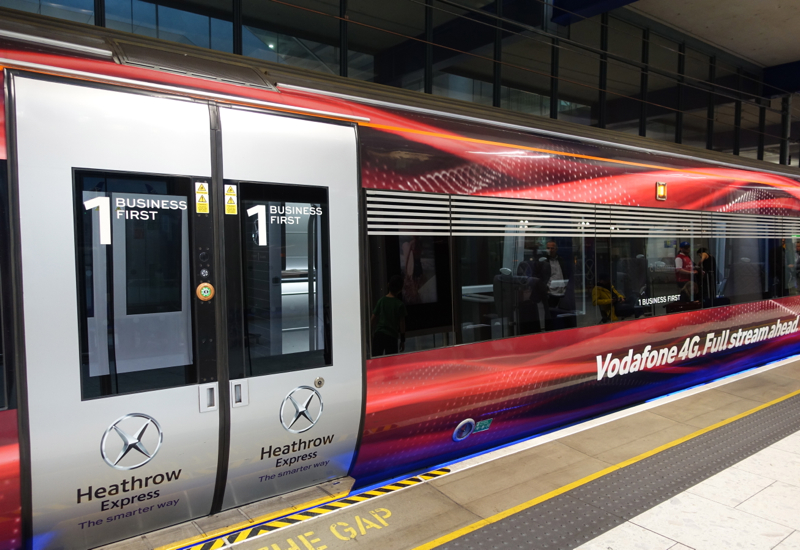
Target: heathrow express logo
[
  {"x": 301, "y": 409},
  {"x": 136, "y": 438}
]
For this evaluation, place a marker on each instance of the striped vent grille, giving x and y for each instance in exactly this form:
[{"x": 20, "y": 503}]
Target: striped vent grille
[
  {"x": 394, "y": 213},
  {"x": 743, "y": 225},
  {"x": 399, "y": 213},
  {"x": 791, "y": 227},
  {"x": 479, "y": 216},
  {"x": 625, "y": 221}
]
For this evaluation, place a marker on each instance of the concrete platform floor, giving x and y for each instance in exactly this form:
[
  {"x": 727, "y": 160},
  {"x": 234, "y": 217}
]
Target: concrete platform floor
[
  {"x": 753, "y": 504},
  {"x": 495, "y": 485}
]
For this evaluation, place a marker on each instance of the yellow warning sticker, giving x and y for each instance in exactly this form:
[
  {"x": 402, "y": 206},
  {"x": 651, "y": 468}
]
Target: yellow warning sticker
[
  {"x": 231, "y": 200},
  {"x": 201, "y": 196},
  {"x": 231, "y": 206},
  {"x": 202, "y": 204}
]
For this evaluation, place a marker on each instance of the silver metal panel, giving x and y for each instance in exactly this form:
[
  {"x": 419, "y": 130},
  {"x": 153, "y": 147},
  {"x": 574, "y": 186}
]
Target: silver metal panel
[
  {"x": 267, "y": 148},
  {"x": 61, "y": 127}
]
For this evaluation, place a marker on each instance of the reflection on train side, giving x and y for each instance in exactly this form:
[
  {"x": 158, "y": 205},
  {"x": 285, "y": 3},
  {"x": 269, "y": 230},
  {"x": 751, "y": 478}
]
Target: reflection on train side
[{"x": 568, "y": 266}]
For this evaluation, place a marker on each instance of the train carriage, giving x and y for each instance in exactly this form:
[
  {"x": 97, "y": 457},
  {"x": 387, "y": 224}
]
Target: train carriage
[{"x": 193, "y": 249}]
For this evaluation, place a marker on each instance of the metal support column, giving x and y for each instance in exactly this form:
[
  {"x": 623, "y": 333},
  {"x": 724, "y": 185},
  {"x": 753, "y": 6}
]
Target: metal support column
[
  {"x": 737, "y": 115},
  {"x": 343, "y": 38},
  {"x": 554, "y": 78},
  {"x": 681, "y": 80},
  {"x": 644, "y": 82},
  {"x": 428, "y": 80},
  {"x": 497, "y": 80},
  {"x": 238, "y": 37},
  {"x": 712, "y": 76},
  {"x": 786, "y": 127},
  {"x": 762, "y": 126},
  {"x": 100, "y": 13},
  {"x": 603, "y": 111}
]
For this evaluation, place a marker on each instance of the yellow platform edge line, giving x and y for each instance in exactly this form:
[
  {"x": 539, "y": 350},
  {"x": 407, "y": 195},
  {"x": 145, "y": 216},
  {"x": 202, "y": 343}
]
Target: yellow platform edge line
[{"x": 533, "y": 502}]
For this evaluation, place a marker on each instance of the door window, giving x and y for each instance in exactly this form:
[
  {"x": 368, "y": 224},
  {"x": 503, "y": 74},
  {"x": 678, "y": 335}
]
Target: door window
[
  {"x": 134, "y": 289},
  {"x": 5, "y": 298},
  {"x": 286, "y": 277}
]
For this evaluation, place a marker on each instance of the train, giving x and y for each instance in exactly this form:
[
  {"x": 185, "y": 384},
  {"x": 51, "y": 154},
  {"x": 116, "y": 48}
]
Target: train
[{"x": 195, "y": 246}]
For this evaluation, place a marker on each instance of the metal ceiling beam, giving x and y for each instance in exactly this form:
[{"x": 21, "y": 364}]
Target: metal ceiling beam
[{"x": 566, "y": 12}]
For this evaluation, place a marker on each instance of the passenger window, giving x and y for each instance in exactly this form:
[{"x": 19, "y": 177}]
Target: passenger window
[
  {"x": 653, "y": 265},
  {"x": 6, "y": 288},
  {"x": 410, "y": 290},
  {"x": 410, "y": 281},
  {"x": 286, "y": 277},
  {"x": 134, "y": 290},
  {"x": 744, "y": 270},
  {"x": 523, "y": 267},
  {"x": 792, "y": 265},
  {"x": 781, "y": 254},
  {"x": 661, "y": 274}
]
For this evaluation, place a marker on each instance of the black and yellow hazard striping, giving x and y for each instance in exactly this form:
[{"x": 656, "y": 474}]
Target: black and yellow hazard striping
[{"x": 286, "y": 521}]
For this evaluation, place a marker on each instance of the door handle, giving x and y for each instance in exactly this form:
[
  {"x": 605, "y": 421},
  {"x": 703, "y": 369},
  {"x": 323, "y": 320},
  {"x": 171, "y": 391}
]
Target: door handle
[
  {"x": 240, "y": 393},
  {"x": 208, "y": 394}
]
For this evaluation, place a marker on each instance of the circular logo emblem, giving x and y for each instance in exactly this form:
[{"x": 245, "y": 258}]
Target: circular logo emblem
[
  {"x": 301, "y": 409},
  {"x": 205, "y": 291},
  {"x": 138, "y": 438},
  {"x": 463, "y": 430}
]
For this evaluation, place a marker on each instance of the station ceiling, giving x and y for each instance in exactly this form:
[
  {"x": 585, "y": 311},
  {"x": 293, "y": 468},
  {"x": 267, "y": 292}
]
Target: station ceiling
[{"x": 764, "y": 32}]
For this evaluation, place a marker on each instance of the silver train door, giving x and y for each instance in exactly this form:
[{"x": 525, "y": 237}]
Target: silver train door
[
  {"x": 291, "y": 232},
  {"x": 119, "y": 322}
]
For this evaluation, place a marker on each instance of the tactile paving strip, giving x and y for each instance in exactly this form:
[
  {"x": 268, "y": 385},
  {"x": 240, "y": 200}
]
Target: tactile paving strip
[{"x": 584, "y": 513}]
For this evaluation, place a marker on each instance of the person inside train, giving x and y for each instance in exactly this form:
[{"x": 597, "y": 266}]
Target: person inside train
[
  {"x": 558, "y": 275},
  {"x": 388, "y": 321},
  {"x": 531, "y": 294},
  {"x": 606, "y": 298},
  {"x": 684, "y": 268},
  {"x": 707, "y": 276},
  {"x": 554, "y": 271}
]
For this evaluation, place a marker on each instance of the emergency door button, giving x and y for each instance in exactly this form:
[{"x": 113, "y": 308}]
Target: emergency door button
[{"x": 205, "y": 291}]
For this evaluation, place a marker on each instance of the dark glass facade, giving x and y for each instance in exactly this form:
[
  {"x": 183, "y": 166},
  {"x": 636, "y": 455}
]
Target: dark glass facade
[{"x": 616, "y": 70}]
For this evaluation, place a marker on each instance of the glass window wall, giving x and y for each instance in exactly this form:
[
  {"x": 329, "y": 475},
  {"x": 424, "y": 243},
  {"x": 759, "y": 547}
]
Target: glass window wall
[
  {"x": 205, "y": 24},
  {"x": 463, "y": 66},
  {"x": 386, "y": 42},
  {"x": 80, "y": 11},
  {"x": 623, "y": 100},
  {"x": 526, "y": 75},
  {"x": 578, "y": 85},
  {"x": 303, "y": 34}
]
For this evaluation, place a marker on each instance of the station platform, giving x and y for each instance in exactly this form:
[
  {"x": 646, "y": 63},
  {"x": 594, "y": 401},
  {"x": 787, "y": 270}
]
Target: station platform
[{"x": 715, "y": 466}]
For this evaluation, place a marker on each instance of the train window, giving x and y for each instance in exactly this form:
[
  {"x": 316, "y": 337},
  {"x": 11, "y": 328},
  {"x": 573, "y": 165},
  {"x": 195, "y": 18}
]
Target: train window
[
  {"x": 522, "y": 284},
  {"x": 414, "y": 269},
  {"x": 652, "y": 276},
  {"x": 745, "y": 271},
  {"x": 5, "y": 286},
  {"x": 791, "y": 265},
  {"x": 133, "y": 265},
  {"x": 286, "y": 277},
  {"x": 523, "y": 266}
]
